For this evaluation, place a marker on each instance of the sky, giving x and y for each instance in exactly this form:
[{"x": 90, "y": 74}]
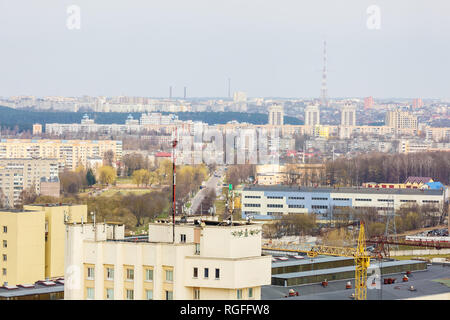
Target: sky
[{"x": 268, "y": 48}]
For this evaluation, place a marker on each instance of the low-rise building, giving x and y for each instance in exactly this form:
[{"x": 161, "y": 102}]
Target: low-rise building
[
  {"x": 203, "y": 260},
  {"x": 268, "y": 202}
]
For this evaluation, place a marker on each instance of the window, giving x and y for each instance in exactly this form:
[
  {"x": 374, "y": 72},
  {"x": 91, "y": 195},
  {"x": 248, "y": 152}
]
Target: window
[
  {"x": 195, "y": 272},
  {"x": 169, "y": 275},
  {"x": 239, "y": 294},
  {"x": 130, "y": 274},
  {"x": 169, "y": 295},
  {"x": 296, "y": 206},
  {"x": 90, "y": 293},
  {"x": 408, "y": 201},
  {"x": 149, "y": 294},
  {"x": 253, "y": 205},
  {"x": 5, "y": 244},
  {"x": 197, "y": 248},
  {"x": 250, "y": 292},
  {"x": 274, "y": 197},
  {"x": 341, "y": 199},
  {"x": 183, "y": 238},
  {"x": 252, "y": 197},
  {"x": 109, "y": 294},
  {"x": 296, "y": 198},
  {"x": 5, "y": 257},
  {"x": 217, "y": 273},
  {"x": 110, "y": 273},
  {"x": 319, "y": 207},
  {"x": 90, "y": 273},
  {"x": 274, "y": 206},
  {"x": 196, "y": 294},
  {"x": 4, "y": 271},
  {"x": 364, "y": 200},
  {"x": 316, "y": 198},
  {"x": 149, "y": 274},
  {"x": 5, "y": 229},
  {"x": 130, "y": 294},
  {"x": 206, "y": 273}
]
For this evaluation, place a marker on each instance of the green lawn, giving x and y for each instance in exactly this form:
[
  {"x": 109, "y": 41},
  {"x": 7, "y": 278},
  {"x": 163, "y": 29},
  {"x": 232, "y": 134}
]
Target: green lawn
[{"x": 112, "y": 192}]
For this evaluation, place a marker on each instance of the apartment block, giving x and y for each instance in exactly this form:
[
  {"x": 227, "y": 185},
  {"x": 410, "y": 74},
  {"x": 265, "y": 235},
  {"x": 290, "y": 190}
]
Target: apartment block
[
  {"x": 69, "y": 153},
  {"x": 32, "y": 241},
  {"x": 207, "y": 260},
  {"x": 17, "y": 175}
]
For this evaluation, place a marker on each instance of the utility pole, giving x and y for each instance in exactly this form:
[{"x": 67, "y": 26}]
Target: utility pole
[{"x": 174, "y": 180}]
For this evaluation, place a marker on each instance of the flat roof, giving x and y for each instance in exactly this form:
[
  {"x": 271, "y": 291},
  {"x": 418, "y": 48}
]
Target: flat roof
[
  {"x": 343, "y": 269},
  {"x": 284, "y": 188},
  {"x": 38, "y": 288},
  {"x": 307, "y": 260},
  {"x": 425, "y": 283}
]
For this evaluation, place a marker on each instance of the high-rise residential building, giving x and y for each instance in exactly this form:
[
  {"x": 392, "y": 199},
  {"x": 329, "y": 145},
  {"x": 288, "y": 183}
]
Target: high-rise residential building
[
  {"x": 38, "y": 175},
  {"x": 401, "y": 120},
  {"x": 69, "y": 153},
  {"x": 348, "y": 115},
  {"x": 368, "y": 103},
  {"x": 37, "y": 129},
  {"x": 276, "y": 115},
  {"x": 417, "y": 103},
  {"x": 208, "y": 260},
  {"x": 239, "y": 97},
  {"x": 32, "y": 241},
  {"x": 312, "y": 115}
]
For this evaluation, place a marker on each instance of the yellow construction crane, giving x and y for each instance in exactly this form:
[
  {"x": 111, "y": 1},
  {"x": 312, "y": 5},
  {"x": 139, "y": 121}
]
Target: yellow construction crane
[{"x": 362, "y": 258}]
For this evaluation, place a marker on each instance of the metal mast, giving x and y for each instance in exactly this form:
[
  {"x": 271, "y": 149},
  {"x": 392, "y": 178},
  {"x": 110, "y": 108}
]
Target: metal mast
[
  {"x": 174, "y": 180},
  {"x": 324, "y": 90}
]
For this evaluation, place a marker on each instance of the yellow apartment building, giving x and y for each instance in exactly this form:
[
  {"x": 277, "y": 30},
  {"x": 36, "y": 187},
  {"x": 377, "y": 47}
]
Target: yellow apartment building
[
  {"x": 70, "y": 153},
  {"x": 208, "y": 260},
  {"x": 32, "y": 241},
  {"x": 22, "y": 246}
]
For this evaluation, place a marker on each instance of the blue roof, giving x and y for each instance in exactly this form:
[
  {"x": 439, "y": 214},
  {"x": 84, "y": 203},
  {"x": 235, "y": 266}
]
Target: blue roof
[{"x": 435, "y": 185}]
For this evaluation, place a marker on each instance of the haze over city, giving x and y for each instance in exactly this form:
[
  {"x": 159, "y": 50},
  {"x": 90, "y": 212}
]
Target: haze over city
[{"x": 266, "y": 48}]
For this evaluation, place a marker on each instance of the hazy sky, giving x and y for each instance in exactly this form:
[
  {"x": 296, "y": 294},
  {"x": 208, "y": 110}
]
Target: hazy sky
[{"x": 267, "y": 48}]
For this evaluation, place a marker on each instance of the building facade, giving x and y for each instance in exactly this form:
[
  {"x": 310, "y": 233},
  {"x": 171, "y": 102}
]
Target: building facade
[
  {"x": 268, "y": 202},
  {"x": 38, "y": 175},
  {"x": 69, "y": 153},
  {"x": 206, "y": 261},
  {"x": 32, "y": 241}
]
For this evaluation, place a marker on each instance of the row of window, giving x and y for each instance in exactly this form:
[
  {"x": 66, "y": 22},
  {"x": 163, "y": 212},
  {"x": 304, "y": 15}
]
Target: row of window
[
  {"x": 275, "y": 197},
  {"x": 341, "y": 199},
  {"x": 206, "y": 273},
  {"x": 129, "y": 294},
  {"x": 364, "y": 200},
  {"x": 296, "y": 198},
  {"x": 129, "y": 274},
  {"x": 319, "y": 207},
  {"x": 253, "y": 205},
  {"x": 296, "y": 206},
  {"x": 274, "y": 206},
  {"x": 314, "y": 198},
  {"x": 253, "y": 197}
]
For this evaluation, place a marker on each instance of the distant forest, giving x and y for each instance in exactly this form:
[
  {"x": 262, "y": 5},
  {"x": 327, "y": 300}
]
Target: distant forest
[{"x": 23, "y": 119}]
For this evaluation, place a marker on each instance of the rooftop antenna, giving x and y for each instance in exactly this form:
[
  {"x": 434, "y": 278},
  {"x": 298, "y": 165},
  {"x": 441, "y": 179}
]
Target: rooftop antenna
[{"x": 324, "y": 90}]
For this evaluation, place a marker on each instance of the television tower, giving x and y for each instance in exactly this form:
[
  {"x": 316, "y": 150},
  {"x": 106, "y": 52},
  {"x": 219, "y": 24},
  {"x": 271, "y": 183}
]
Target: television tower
[{"x": 323, "y": 91}]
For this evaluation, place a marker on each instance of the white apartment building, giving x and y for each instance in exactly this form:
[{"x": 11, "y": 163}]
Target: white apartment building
[{"x": 208, "y": 260}]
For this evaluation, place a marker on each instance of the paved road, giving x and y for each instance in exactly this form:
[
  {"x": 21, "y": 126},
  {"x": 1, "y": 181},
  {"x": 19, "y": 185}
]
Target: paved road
[{"x": 210, "y": 184}]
